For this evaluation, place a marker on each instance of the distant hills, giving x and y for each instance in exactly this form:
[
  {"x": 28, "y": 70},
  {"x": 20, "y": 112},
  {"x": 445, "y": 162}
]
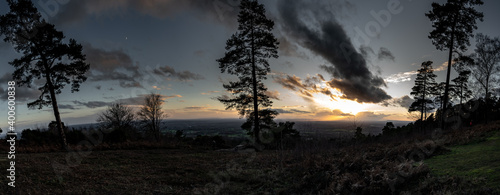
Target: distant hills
[{"x": 231, "y": 127}]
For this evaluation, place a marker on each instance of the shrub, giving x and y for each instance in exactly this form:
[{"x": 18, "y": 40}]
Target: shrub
[{"x": 74, "y": 136}]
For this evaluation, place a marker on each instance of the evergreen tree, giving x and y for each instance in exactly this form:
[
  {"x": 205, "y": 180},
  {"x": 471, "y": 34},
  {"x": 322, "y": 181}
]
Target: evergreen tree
[
  {"x": 246, "y": 57},
  {"x": 439, "y": 95},
  {"x": 424, "y": 90},
  {"x": 460, "y": 88},
  {"x": 453, "y": 23},
  {"x": 45, "y": 56}
]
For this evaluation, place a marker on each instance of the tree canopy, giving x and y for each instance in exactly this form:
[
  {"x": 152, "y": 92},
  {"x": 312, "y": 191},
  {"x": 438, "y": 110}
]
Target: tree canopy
[
  {"x": 246, "y": 57},
  {"x": 424, "y": 89},
  {"x": 45, "y": 56},
  {"x": 453, "y": 24},
  {"x": 152, "y": 114}
]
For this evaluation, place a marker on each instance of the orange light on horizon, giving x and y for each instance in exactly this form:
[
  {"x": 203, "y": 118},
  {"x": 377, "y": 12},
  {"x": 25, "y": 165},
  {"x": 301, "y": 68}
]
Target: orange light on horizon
[{"x": 344, "y": 105}]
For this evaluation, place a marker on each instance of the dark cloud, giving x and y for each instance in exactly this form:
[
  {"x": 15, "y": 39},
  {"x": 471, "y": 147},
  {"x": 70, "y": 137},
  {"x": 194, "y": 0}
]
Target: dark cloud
[
  {"x": 293, "y": 83},
  {"x": 195, "y": 108},
  {"x": 168, "y": 71},
  {"x": 108, "y": 61},
  {"x": 114, "y": 65},
  {"x": 385, "y": 54},
  {"x": 335, "y": 112},
  {"x": 291, "y": 111},
  {"x": 130, "y": 84},
  {"x": 371, "y": 116},
  {"x": 307, "y": 87},
  {"x": 282, "y": 111},
  {"x": 67, "y": 106},
  {"x": 366, "y": 51},
  {"x": 209, "y": 92},
  {"x": 299, "y": 111},
  {"x": 315, "y": 27},
  {"x": 23, "y": 94},
  {"x": 273, "y": 94},
  {"x": 92, "y": 104},
  {"x": 404, "y": 101},
  {"x": 130, "y": 101},
  {"x": 222, "y": 11},
  {"x": 139, "y": 100},
  {"x": 288, "y": 48}
]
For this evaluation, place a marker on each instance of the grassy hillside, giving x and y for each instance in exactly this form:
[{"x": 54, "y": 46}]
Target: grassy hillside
[
  {"x": 377, "y": 166},
  {"x": 479, "y": 160}
]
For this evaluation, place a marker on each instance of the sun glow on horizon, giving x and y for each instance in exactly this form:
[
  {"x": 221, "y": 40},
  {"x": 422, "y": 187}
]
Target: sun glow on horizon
[{"x": 344, "y": 105}]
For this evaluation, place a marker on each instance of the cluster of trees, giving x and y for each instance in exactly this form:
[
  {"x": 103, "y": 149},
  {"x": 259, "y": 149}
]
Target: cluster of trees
[
  {"x": 118, "y": 123},
  {"x": 478, "y": 72},
  {"x": 49, "y": 58},
  {"x": 40, "y": 137},
  {"x": 119, "y": 119}
]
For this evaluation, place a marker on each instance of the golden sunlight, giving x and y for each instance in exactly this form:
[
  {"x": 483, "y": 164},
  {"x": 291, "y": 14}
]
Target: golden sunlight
[{"x": 344, "y": 105}]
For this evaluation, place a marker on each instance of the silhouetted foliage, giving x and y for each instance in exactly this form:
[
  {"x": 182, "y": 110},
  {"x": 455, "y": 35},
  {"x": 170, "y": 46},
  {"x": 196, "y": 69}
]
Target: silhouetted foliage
[
  {"x": 484, "y": 64},
  {"x": 116, "y": 116},
  {"x": 246, "y": 57},
  {"x": 266, "y": 121},
  {"x": 439, "y": 95},
  {"x": 214, "y": 142},
  {"x": 124, "y": 134},
  {"x": 75, "y": 136},
  {"x": 117, "y": 123},
  {"x": 453, "y": 24},
  {"x": 179, "y": 134},
  {"x": 45, "y": 56},
  {"x": 460, "y": 88},
  {"x": 37, "y": 137},
  {"x": 272, "y": 133},
  {"x": 424, "y": 90},
  {"x": 281, "y": 136},
  {"x": 388, "y": 129},
  {"x": 358, "y": 135},
  {"x": 151, "y": 114}
]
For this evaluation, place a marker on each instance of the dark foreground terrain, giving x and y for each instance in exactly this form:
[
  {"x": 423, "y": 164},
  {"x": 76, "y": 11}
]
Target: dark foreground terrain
[{"x": 461, "y": 161}]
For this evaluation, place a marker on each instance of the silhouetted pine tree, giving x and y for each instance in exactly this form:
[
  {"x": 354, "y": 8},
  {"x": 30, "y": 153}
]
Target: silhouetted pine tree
[
  {"x": 453, "y": 23},
  {"x": 45, "y": 56},
  {"x": 460, "y": 89},
  {"x": 246, "y": 57},
  {"x": 424, "y": 90}
]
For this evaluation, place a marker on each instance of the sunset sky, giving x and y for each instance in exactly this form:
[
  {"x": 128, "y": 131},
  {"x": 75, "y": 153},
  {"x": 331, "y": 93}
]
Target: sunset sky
[{"x": 170, "y": 47}]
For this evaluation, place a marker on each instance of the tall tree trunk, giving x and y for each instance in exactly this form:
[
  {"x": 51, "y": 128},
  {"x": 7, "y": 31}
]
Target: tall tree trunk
[
  {"x": 486, "y": 98},
  {"x": 255, "y": 98},
  {"x": 60, "y": 128},
  {"x": 425, "y": 100},
  {"x": 461, "y": 94},
  {"x": 447, "y": 86}
]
